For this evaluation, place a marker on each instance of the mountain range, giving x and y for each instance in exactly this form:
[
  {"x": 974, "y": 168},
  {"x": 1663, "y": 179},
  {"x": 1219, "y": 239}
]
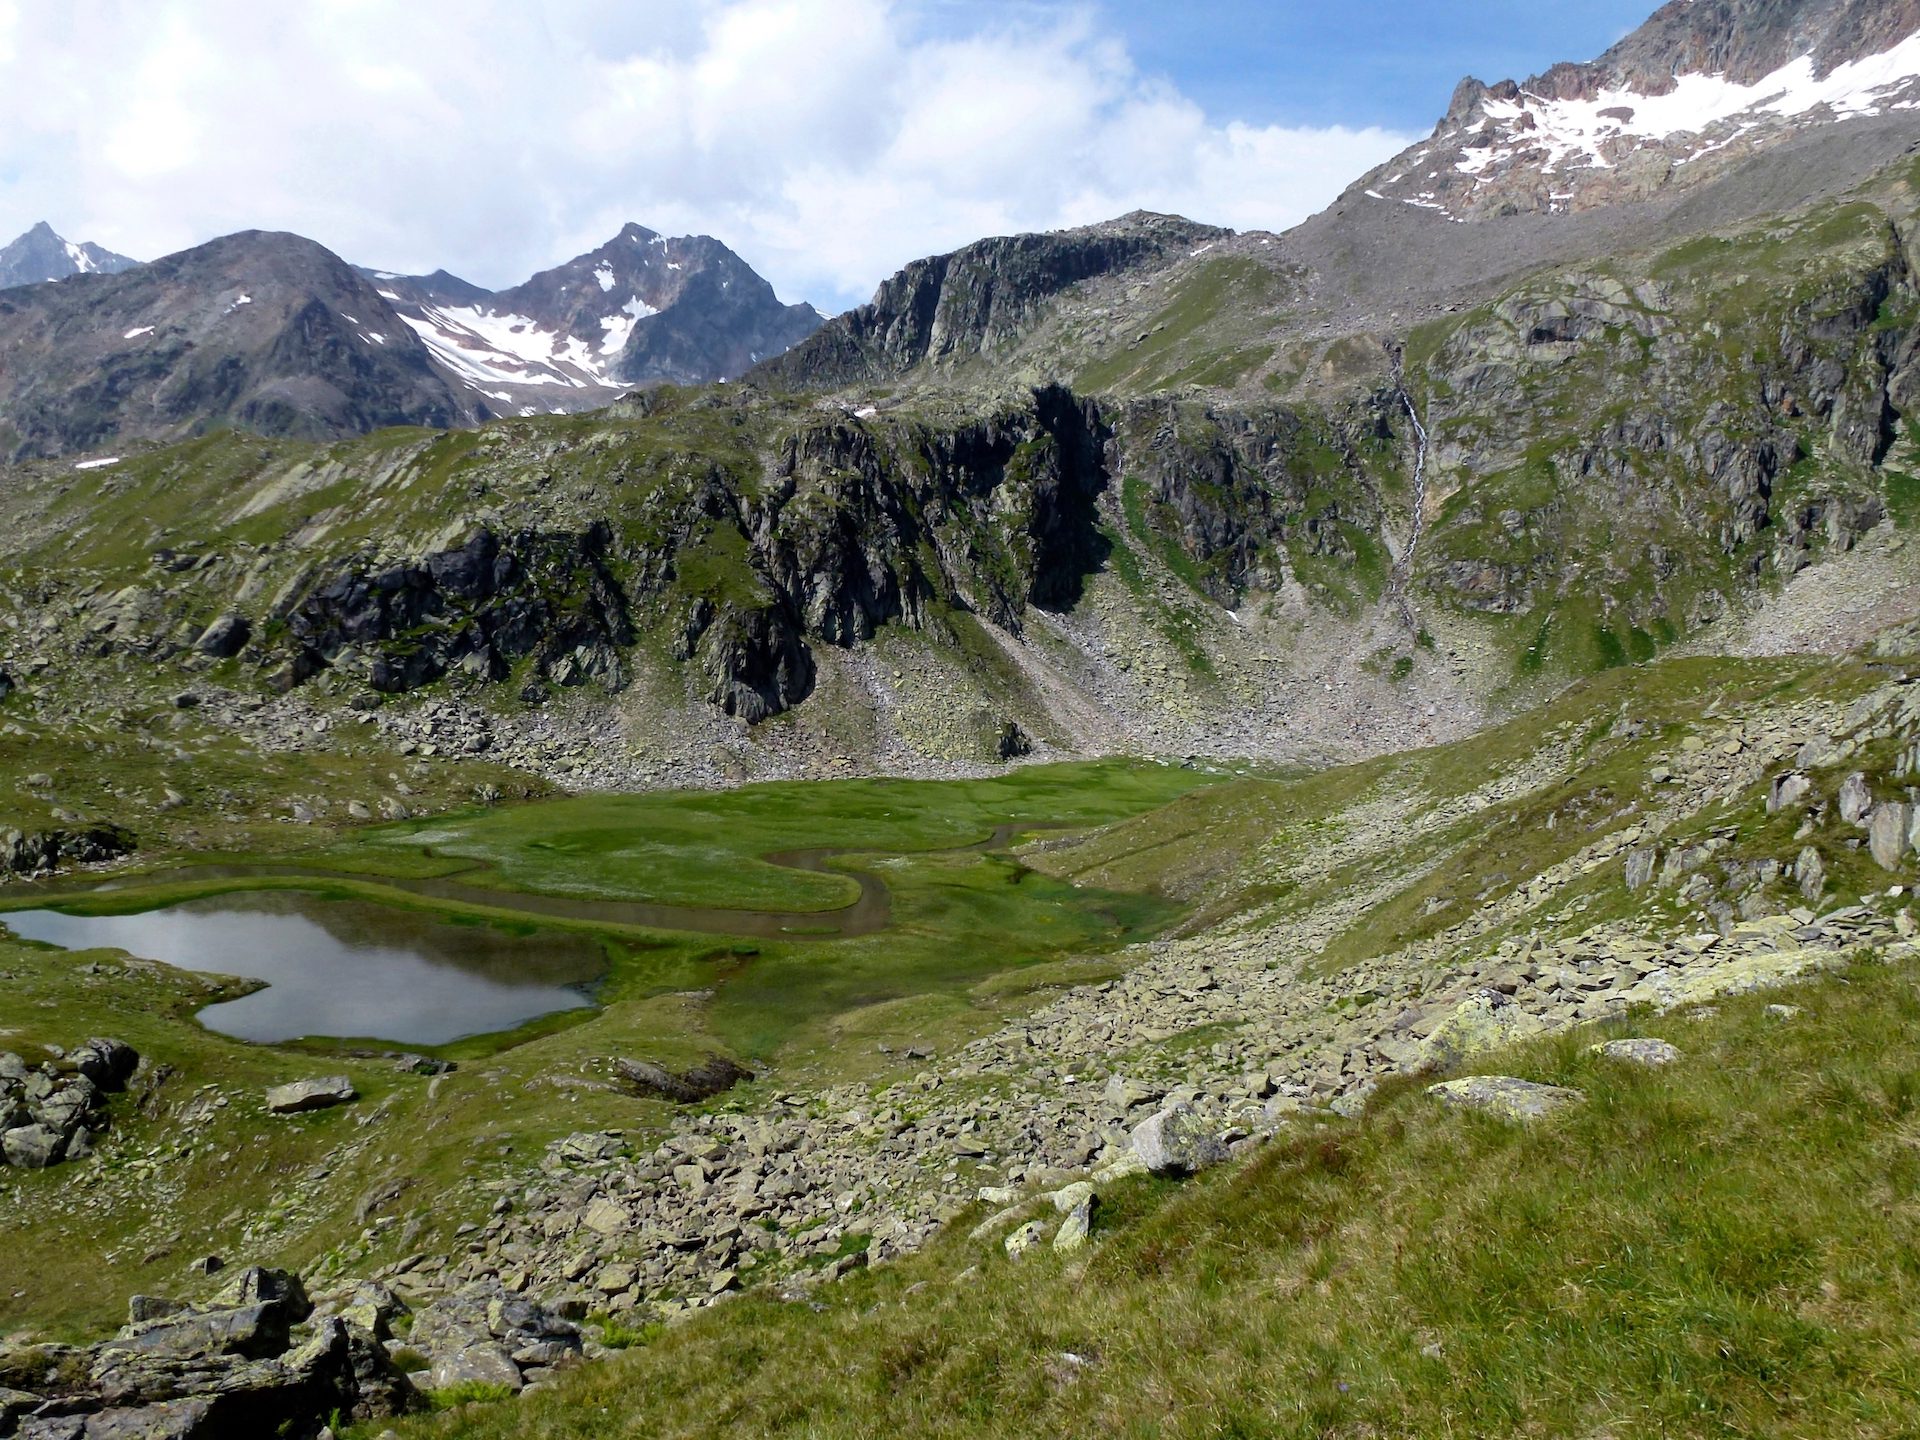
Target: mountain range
[
  {"x": 275, "y": 334},
  {"x": 1509, "y": 411}
]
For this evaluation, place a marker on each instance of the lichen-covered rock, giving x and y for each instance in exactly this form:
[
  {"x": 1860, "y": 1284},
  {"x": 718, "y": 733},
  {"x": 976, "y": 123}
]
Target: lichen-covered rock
[
  {"x": 1075, "y": 1229},
  {"x": 1024, "y": 1239},
  {"x": 1487, "y": 1020},
  {"x": 1504, "y": 1097},
  {"x": 1177, "y": 1141},
  {"x": 1638, "y": 1052}
]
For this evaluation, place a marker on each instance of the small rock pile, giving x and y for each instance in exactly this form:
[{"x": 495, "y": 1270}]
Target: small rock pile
[{"x": 54, "y": 1111}]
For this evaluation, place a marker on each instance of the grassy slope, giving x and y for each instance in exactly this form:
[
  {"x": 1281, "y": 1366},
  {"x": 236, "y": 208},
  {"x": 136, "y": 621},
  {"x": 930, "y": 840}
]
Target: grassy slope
[{"x": 1723, "y": 1248}]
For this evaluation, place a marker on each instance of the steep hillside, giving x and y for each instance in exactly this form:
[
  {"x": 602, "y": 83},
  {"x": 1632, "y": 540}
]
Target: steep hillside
[{"x": 40, "y": 255}]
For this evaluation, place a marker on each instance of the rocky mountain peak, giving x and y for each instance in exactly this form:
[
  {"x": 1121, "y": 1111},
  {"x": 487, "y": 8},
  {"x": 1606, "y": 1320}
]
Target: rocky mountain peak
[
  {"x": 267, "y": 331},
  {"x": 1701, "y": 84},
  {"x": 41, "y": 255},
  {"x": 641, "y": 308}
]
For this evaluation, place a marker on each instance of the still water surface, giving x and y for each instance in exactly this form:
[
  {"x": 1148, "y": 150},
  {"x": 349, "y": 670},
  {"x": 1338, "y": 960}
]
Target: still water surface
[{"x": 343, "y": 968}]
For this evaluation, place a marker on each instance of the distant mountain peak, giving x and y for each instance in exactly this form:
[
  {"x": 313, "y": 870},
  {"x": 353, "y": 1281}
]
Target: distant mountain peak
[
  {"x": 1701, "y": 84},
  {"x": 41, "y": 254},
  {"x": 640, "y": 308}
]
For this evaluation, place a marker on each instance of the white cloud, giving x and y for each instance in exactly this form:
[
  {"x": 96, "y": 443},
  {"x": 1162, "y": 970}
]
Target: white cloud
[{"x": 829, "y": 141}]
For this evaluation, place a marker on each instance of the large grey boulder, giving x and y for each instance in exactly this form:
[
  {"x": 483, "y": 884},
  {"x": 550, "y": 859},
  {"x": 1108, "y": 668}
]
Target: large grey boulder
[
  {"x": 1485, "y": 1020},
  {"x": 33, "y": 1147},
  {"x": 482, "y": 1363},
  {"x": 257, "y": 1331},
  {"x": 192, "y": 1419},
  {"x": 1176, "y": 1141},
  {"x": 303, "y": 1095}
]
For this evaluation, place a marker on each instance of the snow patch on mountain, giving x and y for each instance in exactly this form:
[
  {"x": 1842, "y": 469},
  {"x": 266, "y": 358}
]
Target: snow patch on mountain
[
  {"x": 1581, "y": 132},
  {"x": 491, "y": 348}
]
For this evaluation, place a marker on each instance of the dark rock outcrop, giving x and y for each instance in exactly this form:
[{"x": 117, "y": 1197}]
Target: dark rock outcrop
[
  {"x": 33, "y": 852},
  {"x": 481, "y": 606},
  {"x": 701, "y": 1081},
  {"x": 947, "y": 309}
]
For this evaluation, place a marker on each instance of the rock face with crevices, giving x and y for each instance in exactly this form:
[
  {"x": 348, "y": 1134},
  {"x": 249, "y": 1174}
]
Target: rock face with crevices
[{"x": 254, "y": 1360}]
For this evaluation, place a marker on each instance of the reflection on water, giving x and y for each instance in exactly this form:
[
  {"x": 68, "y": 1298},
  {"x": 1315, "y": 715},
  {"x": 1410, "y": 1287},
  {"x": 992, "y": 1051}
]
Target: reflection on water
[{"x": 342, "y": 967}]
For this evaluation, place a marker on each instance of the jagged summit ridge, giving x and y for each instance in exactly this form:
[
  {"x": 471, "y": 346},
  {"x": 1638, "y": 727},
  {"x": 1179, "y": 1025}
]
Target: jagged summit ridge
[
  {"x": 642, "y": 308},
  {"x": 41, "y": 255},
  {"x": 946, "y": 310},
  {"x": 1703, "y": 83}
]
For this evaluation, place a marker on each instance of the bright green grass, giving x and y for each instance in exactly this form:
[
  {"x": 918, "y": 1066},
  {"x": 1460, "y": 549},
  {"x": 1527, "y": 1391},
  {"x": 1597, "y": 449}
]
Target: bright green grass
[
  {"x": 706, "y": 847},
  {"x": 1724, "y": 1248}
]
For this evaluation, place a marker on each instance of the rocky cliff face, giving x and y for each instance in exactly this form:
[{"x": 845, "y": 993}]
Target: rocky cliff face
[
  {"x": 264, "y": 331},
  {"x": 1703, "y": 85},
  {"x": 941, "y": 312},
  {"x": 839, "y": 528},
  {"x": 40, "y": 255}
]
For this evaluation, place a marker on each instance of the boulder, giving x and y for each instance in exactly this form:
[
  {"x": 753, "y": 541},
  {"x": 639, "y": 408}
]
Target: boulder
[
  {"x": 1024, "y": 1239},
  {"x": 482, "y": 1363},
  {"x": 257, "y": 1331},
  {"x": 1637, "y": 1052},
  {"x": 1176, "y": 1141},
  {"x": 1787, "y": 791},
  {"x": 304, "y": 1095},
  {"x": 225, "y": 637},
  {"x": 1855, "y": 798},
  {"x": 109, "y": 1064},
  {"x": 33, "y": 1147},
  {"x": 1810, "y": 871},
  {"x": 1640, "y": 862},
  {"x": 710, "y": 1077},
  {"x": 191, "y": 1419},
  {"x": 1485, "y": 1020},
  {"x": 259, "y": 1285},
  {"x": 1887, "y": 833},
  {"x": 1124, "y": 1094},
  {"x": 1504, "y": 1097}
]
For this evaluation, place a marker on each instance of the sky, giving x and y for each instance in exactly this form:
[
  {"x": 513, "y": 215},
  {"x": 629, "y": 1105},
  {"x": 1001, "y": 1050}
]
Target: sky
[{"x": 827, "y": 141}]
